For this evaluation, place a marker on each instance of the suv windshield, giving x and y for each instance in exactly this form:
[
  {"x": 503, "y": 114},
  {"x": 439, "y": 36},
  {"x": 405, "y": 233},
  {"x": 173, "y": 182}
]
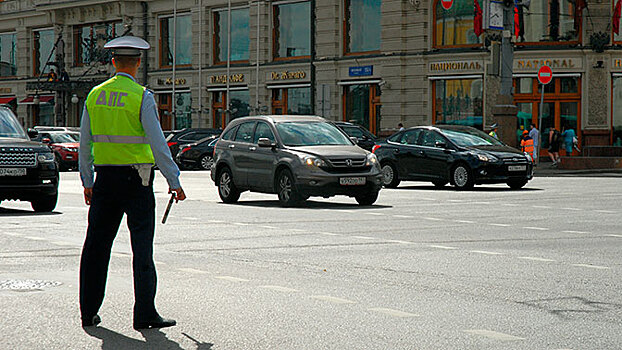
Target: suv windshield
[
  {"x": 470, "y": 138},
  {"x": 10, "y": 127},
  {"x": 311, "y": 134}
]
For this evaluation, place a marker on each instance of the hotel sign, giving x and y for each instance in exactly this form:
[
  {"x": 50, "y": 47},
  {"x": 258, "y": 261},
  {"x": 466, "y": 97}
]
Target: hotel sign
[
  {"x": 6, "y": 90},
  {"x": 169, "y": 81},
  {"x": 222, "y": 79},
  {"x": 456, "y": 66},
  {"x": 531, "y": 65},
  {"x": 286, "y": 75}
]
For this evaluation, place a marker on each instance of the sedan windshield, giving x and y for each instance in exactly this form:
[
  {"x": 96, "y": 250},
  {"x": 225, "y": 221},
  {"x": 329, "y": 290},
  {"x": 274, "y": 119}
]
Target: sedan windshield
[
  {"x": 311, "y": 134},
  {"x": 470, "y": 138},
  {"x": 10, "y": 127}
]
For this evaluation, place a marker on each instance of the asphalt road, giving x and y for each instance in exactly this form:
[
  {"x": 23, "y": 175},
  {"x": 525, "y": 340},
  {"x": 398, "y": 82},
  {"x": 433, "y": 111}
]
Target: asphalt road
[{"x": 490, "y": 268}]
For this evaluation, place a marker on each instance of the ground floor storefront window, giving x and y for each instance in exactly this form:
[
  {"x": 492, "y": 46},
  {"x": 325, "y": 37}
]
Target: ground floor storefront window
[
  {"x": 561, "y": 108},
  {"x": 239, "y": 106},
  {"x": 362, "y": 105},
  {"x": 183, "y": 110},
  {"x": 292, "y": 101},
  {"x": 616, "y": 122},
  {"x": 458, "y": 101}
]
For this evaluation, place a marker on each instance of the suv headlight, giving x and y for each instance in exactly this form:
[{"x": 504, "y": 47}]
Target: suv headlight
[
  {"x": 371, "y": 160},
  {"x": 313, "y": 161},
  {"x": 47, "y": 157}
]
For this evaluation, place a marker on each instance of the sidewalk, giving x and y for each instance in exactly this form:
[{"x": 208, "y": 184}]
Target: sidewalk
[{"x": 546, "y": 169}]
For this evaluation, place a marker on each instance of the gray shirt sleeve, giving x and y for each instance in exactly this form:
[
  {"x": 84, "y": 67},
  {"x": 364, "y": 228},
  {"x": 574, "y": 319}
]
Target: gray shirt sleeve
[
  {"x": 86, "y": 150},
  {"x": 161, "y": 152}
]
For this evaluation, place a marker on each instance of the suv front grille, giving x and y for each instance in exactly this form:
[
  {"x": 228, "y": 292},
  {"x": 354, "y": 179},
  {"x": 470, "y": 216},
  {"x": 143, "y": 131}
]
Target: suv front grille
[
  {"x": 18, "y": 157},
  {"x": 347, "y": 162}
]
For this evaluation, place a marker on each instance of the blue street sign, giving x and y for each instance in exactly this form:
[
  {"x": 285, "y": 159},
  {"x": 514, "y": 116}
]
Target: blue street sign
[{"x": 361, "y": 71}]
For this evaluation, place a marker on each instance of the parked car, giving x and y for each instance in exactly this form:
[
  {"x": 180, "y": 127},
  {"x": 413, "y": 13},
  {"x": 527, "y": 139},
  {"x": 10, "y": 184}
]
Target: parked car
[
  {"x": 365, "y": 139},
  {"x": 295, "y": 157},
  {"x": 189, "y": 135},
  {"x": 65, "y": 146},
  {"x": 460, "y": 155},
  {"x": 27, "y": 168},
  {"x": 198, "y": 154}
]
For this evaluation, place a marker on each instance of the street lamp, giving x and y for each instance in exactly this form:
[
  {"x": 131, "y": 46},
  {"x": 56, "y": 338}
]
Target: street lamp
[{"x": 74, "y": 99}]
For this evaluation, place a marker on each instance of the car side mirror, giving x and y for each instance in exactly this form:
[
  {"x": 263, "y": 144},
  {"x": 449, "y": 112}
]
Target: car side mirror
[
  {"x": 46, "y": 140},
  {"x": 440, "y": 144},
  {"x": 354, "y": 139},
  {"x": 265, "y": 142},
  {"x": 33, "y": 133}
]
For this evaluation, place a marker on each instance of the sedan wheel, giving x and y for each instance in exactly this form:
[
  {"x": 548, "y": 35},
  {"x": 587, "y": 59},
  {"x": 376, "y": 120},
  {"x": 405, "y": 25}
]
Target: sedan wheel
[
  {"x": 462, "y": 177},
  {"x": 226, "y": 188},
  {"x": 389, "y": 176},
  {"x": 288, "y": 194},
  {"x": 206, "y": 162}
]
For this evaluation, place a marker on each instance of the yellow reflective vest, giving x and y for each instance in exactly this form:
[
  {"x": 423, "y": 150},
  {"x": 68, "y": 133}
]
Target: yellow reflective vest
[{"x": 118, "y": 135}]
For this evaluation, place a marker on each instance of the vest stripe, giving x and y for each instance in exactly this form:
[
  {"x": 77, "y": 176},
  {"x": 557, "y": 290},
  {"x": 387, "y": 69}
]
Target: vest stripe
[{"x": 120, "y": 139}]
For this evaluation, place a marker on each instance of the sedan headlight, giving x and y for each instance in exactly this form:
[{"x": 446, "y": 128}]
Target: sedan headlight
[
  {"x": 313, "y": 161},
  {"x": 371, "y": 160},
  {"x": 486, "y": 158},
  {"x": 47, "y": 157}
]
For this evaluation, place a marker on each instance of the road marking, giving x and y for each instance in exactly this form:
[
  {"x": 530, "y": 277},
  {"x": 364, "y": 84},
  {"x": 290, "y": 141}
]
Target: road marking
[
  {"x": 363, "y": 237},
  {"x": 329, "y": 234},
  {"x": 606, "y": 211},
  {"x": 541, "y": 206},
  {"x": 619, "y": 236},
  {"x": 456, "y": 200},
  {"x": 510, "y": 205},
  {"x": 231, "y": 279},
  {"x": 332, "y": 299},
  {"x": 573, "y": 209},
  {"x": 465, "y": 221},
  {"x": 403, "y": 216},
  {"x": 400, "y": 242},
  {"x": 280, "y": 289},
  {"x": 12, "y": 234},
  {"x": 392, "y": 312},
  {"x": 270, "y": 227},
  {"x": 433, "y": 219},
  {"x": 376, "y": 214},
  {"x": 345, "y": 211},
  {"x": 580, "y": 232},
  {"x": 535, "y": 259},
  {"x": 191, "y": 270},
  {"x": 119, "y": 255},
  {"x": 216, "y": 221},
  {"x": 492, "y": 334},
  {"x": 484, "y": 252},
  {"x": 299, "y": 230},
  {"x": 485, "y": 203},
  {"x": 591, "y": 266},
  {"x": 500, "y": 225},
  {"x": 62, "y": 243},
  {"x": 427, "y": 199},
  {"x": 157, "y": 262},
  {"x": 35, "y": 238},
  {"x": 240, "y": 224},
  {"x": 441, "y": 247},
  {"x": 189, "y": 218},
  {"x": 536, "y": 228}
]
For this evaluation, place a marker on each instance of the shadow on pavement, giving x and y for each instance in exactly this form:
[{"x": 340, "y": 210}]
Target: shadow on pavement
[
  {"x": 154, "y": 339},
  {"x": 474, "y": 189},
  {"x": 20, "y": 212},
  {"x": 309, "y": 205}
]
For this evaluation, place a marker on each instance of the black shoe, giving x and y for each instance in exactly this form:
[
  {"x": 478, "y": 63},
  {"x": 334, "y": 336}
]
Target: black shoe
[
  {"x": 91, "y": 321},
  {"x": 155, "y": 323}
]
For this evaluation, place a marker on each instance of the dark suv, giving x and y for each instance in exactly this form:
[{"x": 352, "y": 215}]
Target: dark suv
[
  {"x": 295, "y": 157},
  {"x": 27, "y": 169}
]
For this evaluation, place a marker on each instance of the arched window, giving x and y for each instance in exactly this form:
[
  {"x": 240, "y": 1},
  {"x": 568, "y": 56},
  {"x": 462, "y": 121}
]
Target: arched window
[
  {"x": 454, "y": 27},
  {"x": 548, "y": 21}
]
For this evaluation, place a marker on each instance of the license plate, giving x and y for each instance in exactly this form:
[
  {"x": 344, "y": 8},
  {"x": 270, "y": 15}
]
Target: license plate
[
  {"x": 352, "y": 181},
  {"x": 12, "y": 172},
  {"x": 517, "y": 168}
]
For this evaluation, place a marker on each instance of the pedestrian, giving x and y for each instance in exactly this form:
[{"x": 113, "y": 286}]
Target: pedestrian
[
  {"x": 120, "y": 139},
  {"x": 535, "y": 136},
  {"x": 493, "y": 131},
  {"x": 554, "y": 143},
  {"x": 519, "y": 133},
  {"x": 52, "y": 75},
  {"x": 527, "y": 144},
  {"x": 64, "y": 76},
  {"x": 569, "y": 139},
  {"x": 400, "y": 126}
]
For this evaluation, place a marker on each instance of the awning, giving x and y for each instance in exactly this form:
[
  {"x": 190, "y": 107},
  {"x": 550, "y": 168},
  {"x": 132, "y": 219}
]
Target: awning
[
  {"x": 6, "y": 100},
  {"x": 455, "y": 77},
  {"x": 288, "y": 86},
  {"x": 555, "y": 75},
  {"x": 224, "y": 88},
  {"x": 42, "y": 99},
  {"x": 359, "y": 82}
]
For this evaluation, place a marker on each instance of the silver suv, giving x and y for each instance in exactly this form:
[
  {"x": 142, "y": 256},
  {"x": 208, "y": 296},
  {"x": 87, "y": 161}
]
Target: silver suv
[{"x": 295, "y": 157}]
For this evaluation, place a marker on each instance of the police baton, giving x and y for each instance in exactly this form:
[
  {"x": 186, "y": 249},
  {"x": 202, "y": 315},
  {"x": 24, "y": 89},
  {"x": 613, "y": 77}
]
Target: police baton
[{"x": 168, "y": 207}]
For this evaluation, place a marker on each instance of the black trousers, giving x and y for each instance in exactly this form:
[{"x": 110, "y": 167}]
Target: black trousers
[{"x": 118, "y": 190}]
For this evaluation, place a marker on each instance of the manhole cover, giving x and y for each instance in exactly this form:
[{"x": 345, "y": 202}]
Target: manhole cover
[{"x": 26, "y": 285}]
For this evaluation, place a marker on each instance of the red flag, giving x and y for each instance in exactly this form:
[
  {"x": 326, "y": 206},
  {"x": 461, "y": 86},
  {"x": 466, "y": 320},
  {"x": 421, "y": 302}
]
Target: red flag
[
  {"x": 478, "y": 19},
  {"x": 616, "y": 17},
  {"x": 516, "y": 21}
]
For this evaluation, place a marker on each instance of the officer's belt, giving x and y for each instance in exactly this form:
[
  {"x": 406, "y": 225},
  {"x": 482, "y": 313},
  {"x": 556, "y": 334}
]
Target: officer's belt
[{"x": 120, "y": 139}]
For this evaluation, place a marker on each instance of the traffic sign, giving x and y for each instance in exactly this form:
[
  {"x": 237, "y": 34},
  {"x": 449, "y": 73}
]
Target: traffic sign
[
  {"x": 545, "y": 75},
  {"x": 447, "y": 4}
]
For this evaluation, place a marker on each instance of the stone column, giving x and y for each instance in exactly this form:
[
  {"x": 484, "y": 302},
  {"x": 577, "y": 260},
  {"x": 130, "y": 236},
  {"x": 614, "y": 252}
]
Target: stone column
[{"x": 504, "y": 114}]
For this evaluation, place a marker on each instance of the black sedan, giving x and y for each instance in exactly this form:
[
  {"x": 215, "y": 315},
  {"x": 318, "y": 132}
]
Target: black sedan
[
  {"x": 198, "y": 154},
  {"x": 460, "y": 155},
  {"x": 364, "y": 139}
]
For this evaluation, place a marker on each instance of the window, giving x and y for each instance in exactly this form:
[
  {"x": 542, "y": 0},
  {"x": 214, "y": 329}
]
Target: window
[
  {"x": 430, "y": 138},
  {"x": 240, "y": 35},
  {"x": 245, "y": 132},
  {"x": 454, "y": 27},
  {"x": 362, "y": 25},
  {"x": 458, "y": 102},
  {"x": 546, "y": 21},
  {"x": 292, "y": 101},
  {"x": 263, "y": 131},
  {"x": 8, "y": 51},
  {"x": 362, "y": 105},
  {"x": 89, "y": 41},
  {"x": 410, "y": 137},
  {"x": 240, "y": 106},
  {"x": 616, "y": 122},
  {"x": 183, "y": 42},
  {"x": 229, "y": 134},
  {"x": 292, "y": 30},
  {"x": 183, "y": 110},
  {"x": 43, "y": 48}
]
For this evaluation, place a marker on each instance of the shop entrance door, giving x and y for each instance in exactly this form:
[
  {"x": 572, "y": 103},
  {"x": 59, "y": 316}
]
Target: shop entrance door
[
  {"x": 164, "y": 111},
  {"x": 362, "y": 105}
]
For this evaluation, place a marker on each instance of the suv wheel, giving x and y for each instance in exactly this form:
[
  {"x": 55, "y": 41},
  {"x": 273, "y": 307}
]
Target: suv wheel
[
  {"x": 206, "y": 162},
  {"x": 286, "y": 189},
  {"x": 44, "y": 204},
  {"x": 462, "y": 177},
  {"x": 389, "y": 176},
  {"x": 226, "y": 188},
  {"x": 367, "y": 199}
]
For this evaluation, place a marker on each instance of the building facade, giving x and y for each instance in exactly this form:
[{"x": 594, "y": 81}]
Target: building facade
[{"x": 373, "y": 62}]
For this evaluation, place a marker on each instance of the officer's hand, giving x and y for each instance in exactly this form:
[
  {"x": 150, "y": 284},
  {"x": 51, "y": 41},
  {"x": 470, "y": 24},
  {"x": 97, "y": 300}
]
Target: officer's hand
[
  {"x": 179, "y": 194},
  {"x": 88, "y": 194}
]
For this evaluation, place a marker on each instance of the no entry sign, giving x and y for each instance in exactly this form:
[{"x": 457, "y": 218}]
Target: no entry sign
[
  {"x": 447, "y": 4},
  {"x": 545, "y": 75}
]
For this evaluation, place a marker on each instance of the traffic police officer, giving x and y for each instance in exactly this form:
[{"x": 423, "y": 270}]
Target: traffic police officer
[{"x": 120, "y": 139}]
